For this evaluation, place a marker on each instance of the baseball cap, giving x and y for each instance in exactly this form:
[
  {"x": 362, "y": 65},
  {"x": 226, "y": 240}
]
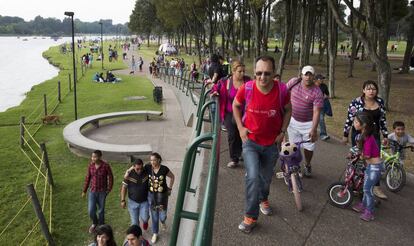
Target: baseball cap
[
  {"x": 308, "y": 69},
  {"x": 319, "y": 76}
]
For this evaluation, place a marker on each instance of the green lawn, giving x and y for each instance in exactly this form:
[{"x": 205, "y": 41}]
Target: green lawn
[{"x": 70, "y": 219}]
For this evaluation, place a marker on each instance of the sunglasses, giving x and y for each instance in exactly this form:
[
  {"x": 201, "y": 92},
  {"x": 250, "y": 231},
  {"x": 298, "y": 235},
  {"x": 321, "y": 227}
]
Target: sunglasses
[{"x": 266, "y": 74}]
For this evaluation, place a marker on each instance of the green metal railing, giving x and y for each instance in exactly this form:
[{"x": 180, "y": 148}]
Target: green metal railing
[{"x": 208, "y": 140}]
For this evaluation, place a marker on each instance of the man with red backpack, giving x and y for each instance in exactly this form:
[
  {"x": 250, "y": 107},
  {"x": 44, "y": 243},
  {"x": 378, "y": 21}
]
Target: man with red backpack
[{"x": 267, "y": 110}]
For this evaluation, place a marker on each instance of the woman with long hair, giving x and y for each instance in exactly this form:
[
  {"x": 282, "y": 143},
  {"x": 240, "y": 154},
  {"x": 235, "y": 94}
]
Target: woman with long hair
[
  {"x": 104, "y": 236},
  {"x": 373, "y": 105}
]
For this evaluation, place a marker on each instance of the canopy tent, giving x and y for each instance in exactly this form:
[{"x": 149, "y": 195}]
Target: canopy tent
[{"x": 167, "y": 48}]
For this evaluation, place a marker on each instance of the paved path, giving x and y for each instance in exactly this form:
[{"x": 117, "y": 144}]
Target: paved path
[{"x": 319, "y": 223}]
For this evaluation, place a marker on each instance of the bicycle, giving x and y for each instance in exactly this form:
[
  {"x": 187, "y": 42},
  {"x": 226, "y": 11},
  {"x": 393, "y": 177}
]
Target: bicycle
[
  {"x": 290, "y": 158},
  {"x": 395, "y": 175},
  {"x": 341, "y": 194}
]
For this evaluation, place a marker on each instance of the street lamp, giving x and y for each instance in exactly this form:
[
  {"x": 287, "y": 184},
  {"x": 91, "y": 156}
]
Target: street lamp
[
  {"x": 71, "y": 14},
  {"x": 102, "y": 56}
]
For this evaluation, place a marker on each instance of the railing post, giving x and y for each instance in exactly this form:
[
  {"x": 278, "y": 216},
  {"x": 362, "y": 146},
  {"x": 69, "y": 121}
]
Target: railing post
[
  {"x": 45, "y": 103},
  {"x": 70, "y": 83},
  {"x": 22, "y": 119},
  {"x": 59, "y": 93},
  {"x": 38, "y": 210},
  {"x": 46, "y": 163}
]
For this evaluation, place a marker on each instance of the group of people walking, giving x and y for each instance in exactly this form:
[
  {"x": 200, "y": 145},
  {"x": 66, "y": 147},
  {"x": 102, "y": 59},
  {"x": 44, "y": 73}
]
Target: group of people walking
[
  {"x": 259, "y": 113},
  {"x": 144, "y": 191}
]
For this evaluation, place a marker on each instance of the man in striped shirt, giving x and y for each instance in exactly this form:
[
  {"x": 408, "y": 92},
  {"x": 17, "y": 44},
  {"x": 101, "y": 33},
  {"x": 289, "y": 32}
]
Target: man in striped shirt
[
  {"x": 307, "y": 103},
  {"x": 99, "y": 180}
]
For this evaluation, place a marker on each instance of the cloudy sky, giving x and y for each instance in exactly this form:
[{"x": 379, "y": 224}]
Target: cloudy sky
[{"x": 85, "y": 10}]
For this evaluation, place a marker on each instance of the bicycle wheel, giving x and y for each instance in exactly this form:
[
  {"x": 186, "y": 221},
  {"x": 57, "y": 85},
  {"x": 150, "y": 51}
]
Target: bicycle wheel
[
  {"x": 339, "y": 196},
  {"x": 395, "y": 178},
  {"x": 295, "y": 189}
]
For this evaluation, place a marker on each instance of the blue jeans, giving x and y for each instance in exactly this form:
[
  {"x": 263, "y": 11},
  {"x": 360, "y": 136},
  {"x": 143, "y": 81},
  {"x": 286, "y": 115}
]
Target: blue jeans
[
  {"x": 157, "y": 215},
  {"x": 259, "y": 162},
  {"x": 97, "y": 199},
  {"x": 136, "y": 210},
  {"x": 372, "y": 176},
  {"x": 322, "y": 125}
]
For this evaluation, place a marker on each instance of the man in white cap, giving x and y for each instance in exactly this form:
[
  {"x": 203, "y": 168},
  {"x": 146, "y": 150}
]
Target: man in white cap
[{"x": 307, "y": 103}]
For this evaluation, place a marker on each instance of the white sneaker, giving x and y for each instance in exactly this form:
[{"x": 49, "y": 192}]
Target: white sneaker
[
  {"x": 154, "y": 238},
  {"x": 232, "y": 164}
]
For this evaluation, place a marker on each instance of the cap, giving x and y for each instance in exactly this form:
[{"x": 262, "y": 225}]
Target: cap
[
  {"x": 319, "y": 76},
  {"x": 308, "y": 69}
]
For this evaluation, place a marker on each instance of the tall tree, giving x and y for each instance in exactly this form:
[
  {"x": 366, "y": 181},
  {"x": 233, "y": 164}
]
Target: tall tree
[
  {"x": 408, "y": 23},
  {"x": 143, "y": 18},
  {"x": 376, "y": 16}
]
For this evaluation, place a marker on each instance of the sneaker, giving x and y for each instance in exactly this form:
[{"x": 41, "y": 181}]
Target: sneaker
[
  {"x": 92, "y": 228},
  {"x": 367, "y": 215},
  {"x": 145, "y": 226},
  {"x": 308, "y": 171},
  {"x": 359, "y": 207},
  {"x": 247, "y": 224},
  {"x": 265, "y": 208},
  {"x": 280, "y": 175},
  {"x": 154, "y": 238},
  {"x": 232, "y": 164},
  {"x": 223, "y": 128},
  {"x": 379, "y": 193},
  {"x": 325, "y": 137},
  {"x": 163, "y": 226}
]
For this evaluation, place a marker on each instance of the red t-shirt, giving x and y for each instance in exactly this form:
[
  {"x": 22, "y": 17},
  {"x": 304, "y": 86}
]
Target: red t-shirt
[{"x": 263, "y": 114}]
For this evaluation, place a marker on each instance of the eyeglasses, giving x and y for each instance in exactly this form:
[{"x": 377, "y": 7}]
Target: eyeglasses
[
  {"x": 371, "y": 89},
  {"x": 266, "y": 74}
]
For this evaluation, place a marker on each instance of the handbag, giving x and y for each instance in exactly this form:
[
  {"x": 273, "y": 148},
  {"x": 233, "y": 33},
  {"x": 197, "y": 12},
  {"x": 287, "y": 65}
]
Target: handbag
[{"x": 327, "y": 108}]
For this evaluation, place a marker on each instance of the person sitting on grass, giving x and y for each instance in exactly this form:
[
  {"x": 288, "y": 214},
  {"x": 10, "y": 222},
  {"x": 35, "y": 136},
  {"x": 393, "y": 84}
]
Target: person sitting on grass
[{"x": 95, "y": 78}]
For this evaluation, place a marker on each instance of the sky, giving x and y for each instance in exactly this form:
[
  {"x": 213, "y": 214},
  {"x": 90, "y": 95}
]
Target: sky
[{"x": 85, "y": 10}]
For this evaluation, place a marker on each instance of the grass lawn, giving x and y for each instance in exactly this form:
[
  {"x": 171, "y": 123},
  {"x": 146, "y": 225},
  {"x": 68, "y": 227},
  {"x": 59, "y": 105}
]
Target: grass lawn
[
  {"x": 402, "y": 88},
  {"x": 70, "y": 219}
]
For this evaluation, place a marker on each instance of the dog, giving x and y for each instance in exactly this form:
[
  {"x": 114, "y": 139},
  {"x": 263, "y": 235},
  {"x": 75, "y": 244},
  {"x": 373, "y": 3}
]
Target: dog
[{"x": 51, "y": 119}]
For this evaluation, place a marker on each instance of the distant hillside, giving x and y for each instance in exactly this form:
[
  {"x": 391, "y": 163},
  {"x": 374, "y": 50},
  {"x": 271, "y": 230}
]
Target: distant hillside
[{"x": 52, "y": 26}]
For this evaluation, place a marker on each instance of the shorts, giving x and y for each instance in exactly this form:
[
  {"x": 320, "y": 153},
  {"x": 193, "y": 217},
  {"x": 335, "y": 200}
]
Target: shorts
[{"x": 299, "y": 131}]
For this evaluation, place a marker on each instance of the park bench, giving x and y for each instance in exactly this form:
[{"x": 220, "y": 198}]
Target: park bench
[{"x": 72, "y": 134}]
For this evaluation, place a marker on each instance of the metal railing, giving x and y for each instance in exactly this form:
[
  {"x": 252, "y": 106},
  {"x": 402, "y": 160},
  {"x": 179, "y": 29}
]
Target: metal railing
[{"x": 208, "y": 140}]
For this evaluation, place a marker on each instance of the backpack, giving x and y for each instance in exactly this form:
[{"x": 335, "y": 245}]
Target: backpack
[{"x": 283, "y": 92}]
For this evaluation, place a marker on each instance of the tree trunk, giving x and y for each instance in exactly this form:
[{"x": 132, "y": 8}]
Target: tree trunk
[
  {"x": 353, "y": 45},
  {"x": 249, "y": 24},
  {"x": 288, "y": 36},
  {"x": 332, "y": 47},
  {"x": 408, "y": 52},
  {"x": 242, "y": 16}
]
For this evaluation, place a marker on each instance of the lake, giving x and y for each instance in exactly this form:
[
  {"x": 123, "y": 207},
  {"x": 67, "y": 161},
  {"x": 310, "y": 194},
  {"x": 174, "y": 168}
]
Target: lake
[{"x": 23, "y": 66}]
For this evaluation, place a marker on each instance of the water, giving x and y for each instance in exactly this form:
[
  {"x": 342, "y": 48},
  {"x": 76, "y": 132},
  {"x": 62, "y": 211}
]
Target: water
[{"x": 22, "y": 66}]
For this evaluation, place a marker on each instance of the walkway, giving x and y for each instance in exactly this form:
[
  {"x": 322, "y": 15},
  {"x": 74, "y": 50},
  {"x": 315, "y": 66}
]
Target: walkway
[{"x": 319, "y": 223}]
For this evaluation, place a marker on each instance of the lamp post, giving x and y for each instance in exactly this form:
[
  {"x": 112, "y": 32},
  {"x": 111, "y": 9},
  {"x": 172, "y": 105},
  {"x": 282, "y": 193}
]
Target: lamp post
[
  {"x": 71, "y": 14},
  {"x": 102, "y": 55}
]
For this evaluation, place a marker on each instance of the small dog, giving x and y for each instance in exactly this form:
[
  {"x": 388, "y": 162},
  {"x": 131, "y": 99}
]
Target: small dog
[{"x": 51, "y": 119}]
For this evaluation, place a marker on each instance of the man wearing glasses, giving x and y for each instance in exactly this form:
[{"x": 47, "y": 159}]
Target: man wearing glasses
[
  {"x": 267, "y": 110},
  {"x": 307, "y": 102}
]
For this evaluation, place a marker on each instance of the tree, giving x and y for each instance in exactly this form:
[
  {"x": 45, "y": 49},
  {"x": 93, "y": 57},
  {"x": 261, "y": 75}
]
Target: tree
[
  {"x": 409, "y": 30},
  {"x": 376, "y": 16},
  {"x": 143, "y": 18}
]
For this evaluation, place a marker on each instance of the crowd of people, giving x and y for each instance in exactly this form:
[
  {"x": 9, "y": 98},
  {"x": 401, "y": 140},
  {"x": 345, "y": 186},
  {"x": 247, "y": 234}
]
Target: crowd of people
[
  {"x": 144, "y": 191},
  {"x": 259, "y": 114}
]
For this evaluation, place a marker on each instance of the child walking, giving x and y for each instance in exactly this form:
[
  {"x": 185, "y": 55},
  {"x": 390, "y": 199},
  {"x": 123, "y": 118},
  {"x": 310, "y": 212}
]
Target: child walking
[{"x": 374, "y": 165}]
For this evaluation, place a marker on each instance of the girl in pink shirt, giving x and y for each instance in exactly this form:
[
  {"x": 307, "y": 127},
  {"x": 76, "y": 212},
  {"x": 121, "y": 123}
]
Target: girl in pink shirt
[{"x": 374, "y": 165}]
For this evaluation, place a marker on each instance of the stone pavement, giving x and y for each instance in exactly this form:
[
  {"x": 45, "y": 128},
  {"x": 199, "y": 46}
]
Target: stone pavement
[{"x": 319, "y": 223}]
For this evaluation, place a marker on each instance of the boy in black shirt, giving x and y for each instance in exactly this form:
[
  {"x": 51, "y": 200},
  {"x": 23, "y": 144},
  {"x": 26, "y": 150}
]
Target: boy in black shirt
[{"x": 325, "y": 91}]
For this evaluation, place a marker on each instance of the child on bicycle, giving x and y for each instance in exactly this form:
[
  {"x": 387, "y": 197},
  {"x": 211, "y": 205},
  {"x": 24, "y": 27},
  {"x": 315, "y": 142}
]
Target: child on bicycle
[
  {"x": 374, "y": 165},
  {"x": 401, "y": 137}
]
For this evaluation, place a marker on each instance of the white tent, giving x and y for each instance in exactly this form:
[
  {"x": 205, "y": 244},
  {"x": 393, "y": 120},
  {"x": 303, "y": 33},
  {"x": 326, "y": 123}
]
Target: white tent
[{"x": 167, "y": 48}]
